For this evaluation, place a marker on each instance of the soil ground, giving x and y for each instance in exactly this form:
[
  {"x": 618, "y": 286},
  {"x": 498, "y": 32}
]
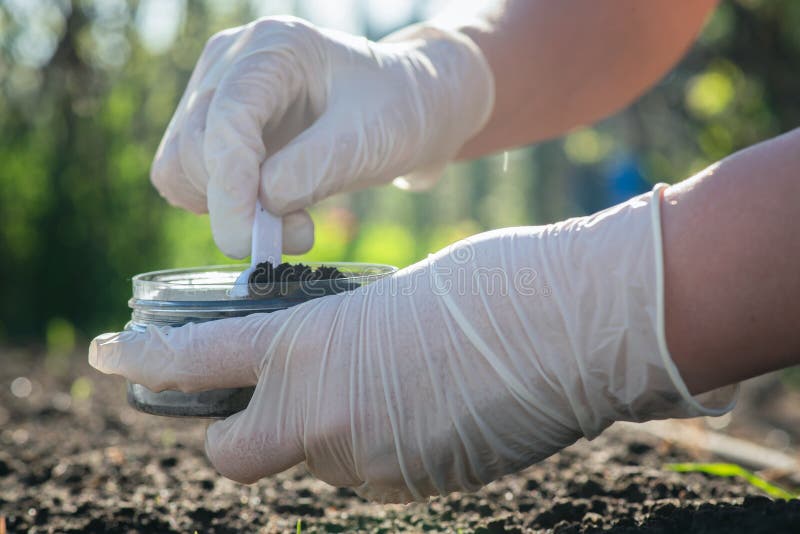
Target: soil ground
[{"x": 75, "y": 458}]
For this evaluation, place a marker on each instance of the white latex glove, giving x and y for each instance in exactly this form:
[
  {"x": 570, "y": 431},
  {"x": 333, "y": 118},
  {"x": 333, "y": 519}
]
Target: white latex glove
[
  {"x": 487, "y": 357},
  {"x": 293, "y": 113}
]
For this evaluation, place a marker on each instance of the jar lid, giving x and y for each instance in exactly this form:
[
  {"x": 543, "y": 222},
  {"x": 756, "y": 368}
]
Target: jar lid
[{"x": 210, "y": 287}]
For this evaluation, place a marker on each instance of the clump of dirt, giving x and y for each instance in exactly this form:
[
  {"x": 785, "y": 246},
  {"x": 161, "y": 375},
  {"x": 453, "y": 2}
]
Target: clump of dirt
[
  {"x": 266, "y": 273},
  {"x": 75, "y": 458},
  {"x": 296, "y": 281}
]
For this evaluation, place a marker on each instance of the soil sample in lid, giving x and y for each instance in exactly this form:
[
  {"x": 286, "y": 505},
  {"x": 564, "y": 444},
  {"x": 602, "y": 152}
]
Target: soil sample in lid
[{"x": 294, "y": 280}]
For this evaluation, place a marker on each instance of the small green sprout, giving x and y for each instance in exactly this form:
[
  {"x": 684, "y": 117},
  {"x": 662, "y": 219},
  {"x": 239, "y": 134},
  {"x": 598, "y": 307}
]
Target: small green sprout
[{"x": 733, "y": 470}]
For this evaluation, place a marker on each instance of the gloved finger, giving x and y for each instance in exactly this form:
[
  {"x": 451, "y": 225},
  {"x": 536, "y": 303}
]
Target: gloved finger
[
  {"x": 305, "y": 171},
  {"x": 255, "y": 443},
  {"x": 191, "y": 137},
  {"x": 189, "y": 358},
  {"x": 255, "y": 90},
  {"x": 298, "y": 232},
  {"x": 167, "y": 172},
  {"x": 169, "y": 179}
]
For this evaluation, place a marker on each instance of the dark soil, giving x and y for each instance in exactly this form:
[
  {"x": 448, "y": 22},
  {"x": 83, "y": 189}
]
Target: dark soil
[
  {"x": 75, "y": 458},
  {"x": 296, "y": 281},
  {"x": 266, "y": 273}
]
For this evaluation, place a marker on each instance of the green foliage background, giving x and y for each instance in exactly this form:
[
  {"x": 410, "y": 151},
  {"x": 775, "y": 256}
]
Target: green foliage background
[{"x": 84, "y": 101}]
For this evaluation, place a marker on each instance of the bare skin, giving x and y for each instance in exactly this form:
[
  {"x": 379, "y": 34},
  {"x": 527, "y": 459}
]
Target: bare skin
[
  {"x": 732, "y": 266},
  {"x": 558, "y": 65}
]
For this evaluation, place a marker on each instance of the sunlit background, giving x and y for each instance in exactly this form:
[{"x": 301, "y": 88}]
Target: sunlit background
[{"x": 87, "y": 88}]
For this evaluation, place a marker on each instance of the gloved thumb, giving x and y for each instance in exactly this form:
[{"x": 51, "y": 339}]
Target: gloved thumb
[{"x": 298, "y": 232}]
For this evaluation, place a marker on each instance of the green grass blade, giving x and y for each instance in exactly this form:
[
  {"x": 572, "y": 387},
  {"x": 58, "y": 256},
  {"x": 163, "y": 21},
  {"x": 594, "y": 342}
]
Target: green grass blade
[{"x": 733, "y": 470}]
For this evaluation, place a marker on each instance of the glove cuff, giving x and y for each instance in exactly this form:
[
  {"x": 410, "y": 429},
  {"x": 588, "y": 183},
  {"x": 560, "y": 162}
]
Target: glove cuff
[
  {"x": 713, "y": 403},
  {"x": 458, "y": 65},
  {"x": 653, "y": 387},
  {"x": 614, "y": 317}
]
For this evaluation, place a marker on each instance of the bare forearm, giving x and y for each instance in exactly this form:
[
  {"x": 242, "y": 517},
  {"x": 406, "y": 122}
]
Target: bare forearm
[
  {"x": 561, "y": 64},
  {"x": 732, "y": 266}
]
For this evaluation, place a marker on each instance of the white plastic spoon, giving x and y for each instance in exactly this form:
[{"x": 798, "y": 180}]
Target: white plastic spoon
[{"x": 266, "y": 245}]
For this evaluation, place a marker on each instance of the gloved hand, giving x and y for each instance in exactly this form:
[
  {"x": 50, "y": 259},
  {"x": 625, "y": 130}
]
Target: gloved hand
[
  {"x": 488, "y": 356},
  {"x": 291, "y": 113}
]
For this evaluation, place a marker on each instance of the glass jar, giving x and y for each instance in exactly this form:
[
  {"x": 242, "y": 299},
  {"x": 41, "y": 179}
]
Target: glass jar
[{"x": 179, "y": 296}]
